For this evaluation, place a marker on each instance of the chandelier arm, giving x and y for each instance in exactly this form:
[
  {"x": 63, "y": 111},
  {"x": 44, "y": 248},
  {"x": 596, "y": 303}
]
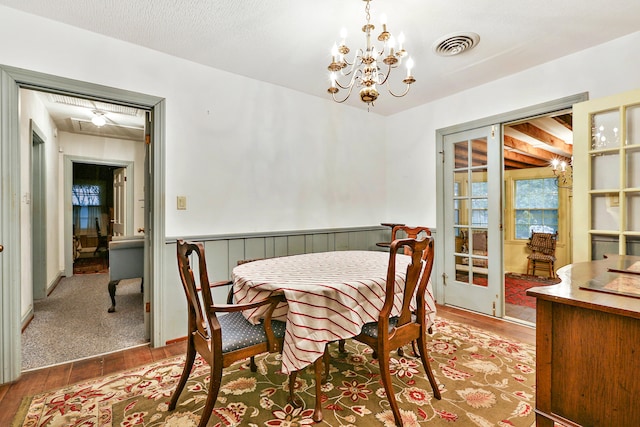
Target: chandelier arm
[
  {"x": 352, "y": 66},
  {"x": 333, "y": 95},
  {"x": 386, "y": 77},
  {"x": 402, "y": 94},
  {"x": 351, "y": 83}
]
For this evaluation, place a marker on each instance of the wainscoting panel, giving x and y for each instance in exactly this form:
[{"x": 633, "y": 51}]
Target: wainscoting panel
[
  {"x": 255, "y": 248},
  {"x": 224, "y": 252},
  {"x": 279, "y": 246}
]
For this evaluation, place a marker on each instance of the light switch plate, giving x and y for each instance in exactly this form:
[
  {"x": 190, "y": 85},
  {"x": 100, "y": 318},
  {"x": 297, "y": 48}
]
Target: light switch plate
[{"x": 182, "y": 203}]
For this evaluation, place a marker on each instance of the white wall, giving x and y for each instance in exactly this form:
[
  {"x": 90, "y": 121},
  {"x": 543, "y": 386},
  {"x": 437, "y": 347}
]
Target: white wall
[
  {"x": 249, "y": 156},
  {"x": 32, "y": 109},
  {"x": 602, "y": 70}
]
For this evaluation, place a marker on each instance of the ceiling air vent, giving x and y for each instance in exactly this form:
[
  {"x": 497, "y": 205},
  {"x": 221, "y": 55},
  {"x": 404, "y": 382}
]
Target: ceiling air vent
[{"x": 455, "y": 44}]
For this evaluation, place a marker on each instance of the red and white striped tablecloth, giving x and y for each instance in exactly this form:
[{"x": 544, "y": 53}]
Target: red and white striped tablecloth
[{"x": 330, "y": 296}]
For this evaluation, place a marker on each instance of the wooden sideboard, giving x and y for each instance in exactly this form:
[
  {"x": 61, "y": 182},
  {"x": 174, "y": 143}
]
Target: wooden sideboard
[{"x": 587, "y": 350}]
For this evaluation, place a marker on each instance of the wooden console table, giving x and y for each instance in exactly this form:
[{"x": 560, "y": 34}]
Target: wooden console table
[{"x": 587, "y": 350}]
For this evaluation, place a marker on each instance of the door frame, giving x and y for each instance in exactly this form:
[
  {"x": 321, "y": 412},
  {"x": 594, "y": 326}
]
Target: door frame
[
  {"x": 11, "y": 80},
  {"x": 68, "y": 204},
  {"x": 520, "y": 114},
  {"x": 37, "y": 140}
]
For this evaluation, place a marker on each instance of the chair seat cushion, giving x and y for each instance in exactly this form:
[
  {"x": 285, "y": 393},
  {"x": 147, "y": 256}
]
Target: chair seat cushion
[
  {"x": 238, "y": 333},
  {"x": 537, "y": 256},
  {"x": 371, "y": 329}
]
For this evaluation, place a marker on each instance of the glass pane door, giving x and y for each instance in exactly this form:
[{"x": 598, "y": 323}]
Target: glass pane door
[{"x": 473, "y": 276}]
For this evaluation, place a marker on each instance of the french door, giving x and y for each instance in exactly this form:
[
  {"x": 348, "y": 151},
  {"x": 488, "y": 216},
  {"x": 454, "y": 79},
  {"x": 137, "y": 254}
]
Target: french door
[{"x": 472, "y": 234}]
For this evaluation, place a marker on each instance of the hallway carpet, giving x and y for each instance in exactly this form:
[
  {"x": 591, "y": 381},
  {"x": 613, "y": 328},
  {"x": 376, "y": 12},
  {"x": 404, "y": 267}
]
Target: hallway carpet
[{"x": 72, "y": 322}]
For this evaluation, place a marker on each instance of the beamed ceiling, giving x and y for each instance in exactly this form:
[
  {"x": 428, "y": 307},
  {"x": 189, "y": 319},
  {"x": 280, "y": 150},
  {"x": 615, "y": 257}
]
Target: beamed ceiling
[{"x": 528, "y": 144}]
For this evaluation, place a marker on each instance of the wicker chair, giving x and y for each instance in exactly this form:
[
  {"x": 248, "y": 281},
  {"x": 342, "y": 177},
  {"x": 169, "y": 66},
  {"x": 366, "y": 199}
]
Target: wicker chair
[{"x": 543, "y": 251}]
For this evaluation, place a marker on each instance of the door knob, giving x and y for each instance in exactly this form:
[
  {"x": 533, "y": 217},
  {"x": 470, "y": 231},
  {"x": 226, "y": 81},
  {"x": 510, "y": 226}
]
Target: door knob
[{"x": 1, "y": 248}]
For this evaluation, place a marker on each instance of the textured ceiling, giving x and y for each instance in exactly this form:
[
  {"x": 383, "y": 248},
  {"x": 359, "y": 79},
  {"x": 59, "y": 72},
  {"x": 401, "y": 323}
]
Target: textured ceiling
[{"x": 287, "y": 42}]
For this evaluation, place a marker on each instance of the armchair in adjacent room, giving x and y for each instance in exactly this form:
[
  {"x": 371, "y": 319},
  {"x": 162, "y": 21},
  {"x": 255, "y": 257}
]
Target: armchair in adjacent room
[{"x": 543, "y": 252}]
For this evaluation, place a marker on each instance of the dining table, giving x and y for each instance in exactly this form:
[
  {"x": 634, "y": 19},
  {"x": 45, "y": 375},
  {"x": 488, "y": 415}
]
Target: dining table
[{"x": 328, "y": 296}]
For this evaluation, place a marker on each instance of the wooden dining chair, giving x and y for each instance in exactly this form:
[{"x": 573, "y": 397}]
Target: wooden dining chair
[
  {"x": 390, "y": 333},
  {"x": 404, "y": 231},
  {"x": 219, "y": 332},
  {"x": 230, "y": 300},
  {"x": 103, "y": 241}
]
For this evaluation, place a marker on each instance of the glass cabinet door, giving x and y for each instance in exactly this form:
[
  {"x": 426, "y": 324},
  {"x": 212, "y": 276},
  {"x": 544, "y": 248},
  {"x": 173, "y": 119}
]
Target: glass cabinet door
[{"x": 607, "y": 177}]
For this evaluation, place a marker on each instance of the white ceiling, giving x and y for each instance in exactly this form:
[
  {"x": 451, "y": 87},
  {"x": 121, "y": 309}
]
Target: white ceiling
[
  {"x": 74, "y": 115},
  {"x": 287, "y": 42}
]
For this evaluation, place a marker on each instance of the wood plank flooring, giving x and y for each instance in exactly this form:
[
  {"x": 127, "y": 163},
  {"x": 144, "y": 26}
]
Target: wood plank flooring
[{"x": 36, "y": 381}]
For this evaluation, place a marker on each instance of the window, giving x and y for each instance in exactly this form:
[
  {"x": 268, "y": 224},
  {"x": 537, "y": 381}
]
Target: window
[
  {"x": 85, "y": 195},
  {"x": 86, "y": 200},
  {"x": 479, "y": 204},
  {"x": 536, "y": 206}
]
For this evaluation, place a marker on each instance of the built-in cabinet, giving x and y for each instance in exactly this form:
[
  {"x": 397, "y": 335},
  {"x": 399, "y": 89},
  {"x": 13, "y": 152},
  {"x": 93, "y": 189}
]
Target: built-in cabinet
[{"x": 607, "y": 176}]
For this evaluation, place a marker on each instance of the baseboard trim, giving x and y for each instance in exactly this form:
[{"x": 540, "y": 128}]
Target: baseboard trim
[
  {"x": 55, "y": 282},
  {"x": 176, "y": 340},
  {"x": 27, "y": 320}
]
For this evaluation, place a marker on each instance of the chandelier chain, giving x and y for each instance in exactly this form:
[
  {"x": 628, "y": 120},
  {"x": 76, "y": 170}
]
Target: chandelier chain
[{"x": 367, "y": 9}]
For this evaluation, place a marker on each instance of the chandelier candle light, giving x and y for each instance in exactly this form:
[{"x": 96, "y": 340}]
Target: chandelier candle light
[
  {"x": 364, "y": 71},
  {"x": 563, "y": 172}
]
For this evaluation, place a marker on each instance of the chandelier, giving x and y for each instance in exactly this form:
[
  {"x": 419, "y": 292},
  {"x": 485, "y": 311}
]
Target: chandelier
[
  {"x": 366, "y": 70},
  {"x": 563, "y": 172}
]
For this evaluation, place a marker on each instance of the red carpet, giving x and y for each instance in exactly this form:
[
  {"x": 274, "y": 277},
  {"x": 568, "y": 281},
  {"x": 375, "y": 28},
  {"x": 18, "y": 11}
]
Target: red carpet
[{"x": 516, "y": 285}]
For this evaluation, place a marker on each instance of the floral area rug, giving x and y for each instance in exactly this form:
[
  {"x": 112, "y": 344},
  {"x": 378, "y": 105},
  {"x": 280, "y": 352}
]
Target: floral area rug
[{"x": 484, "y": 379}]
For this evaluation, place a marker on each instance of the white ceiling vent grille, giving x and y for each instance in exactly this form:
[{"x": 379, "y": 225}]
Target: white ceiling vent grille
[{"x": 455, "y": 44}]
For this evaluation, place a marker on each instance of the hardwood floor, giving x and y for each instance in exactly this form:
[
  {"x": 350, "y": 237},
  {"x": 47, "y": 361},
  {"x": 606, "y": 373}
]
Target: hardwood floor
[{"x": 36, "y": 381}]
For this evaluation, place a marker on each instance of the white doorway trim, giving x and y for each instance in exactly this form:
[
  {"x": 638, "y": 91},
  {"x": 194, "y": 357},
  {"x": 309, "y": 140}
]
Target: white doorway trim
[
  {"x": 68, "y": 209},
  {"x": 11, "y": 80}
]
